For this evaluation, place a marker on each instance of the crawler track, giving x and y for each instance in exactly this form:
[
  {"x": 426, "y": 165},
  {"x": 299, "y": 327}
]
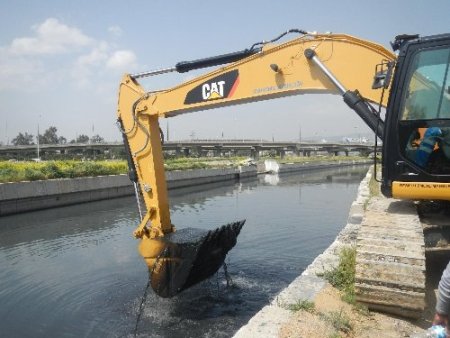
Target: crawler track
[
  {"x": 390, "y": 260},
  {"x": 435, "y": 218}
]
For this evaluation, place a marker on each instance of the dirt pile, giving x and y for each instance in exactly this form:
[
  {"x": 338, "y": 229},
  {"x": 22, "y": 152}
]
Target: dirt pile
[{"x": 332, "y": 317}]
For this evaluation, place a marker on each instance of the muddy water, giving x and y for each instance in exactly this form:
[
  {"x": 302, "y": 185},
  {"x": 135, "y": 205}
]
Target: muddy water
[{"x": 75, "y": 271}]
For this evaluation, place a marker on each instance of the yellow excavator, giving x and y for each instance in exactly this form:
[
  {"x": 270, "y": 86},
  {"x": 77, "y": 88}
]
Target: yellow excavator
[{"x": 412, "y": 84}]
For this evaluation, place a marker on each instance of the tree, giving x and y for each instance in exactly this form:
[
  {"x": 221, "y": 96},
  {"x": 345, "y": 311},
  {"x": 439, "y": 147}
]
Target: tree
[
  {"x": 49, "y": 136},
  {"x": 81, "y": 139},
  {"x": 62, "y": 140},
  {"x": 97, "y": 139},
  {"x": 23, "y": 140}
]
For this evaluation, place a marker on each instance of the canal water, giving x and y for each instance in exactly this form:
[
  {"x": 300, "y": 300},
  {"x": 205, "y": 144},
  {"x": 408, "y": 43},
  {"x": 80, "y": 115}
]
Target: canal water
[{"x": 75, "y": 271}]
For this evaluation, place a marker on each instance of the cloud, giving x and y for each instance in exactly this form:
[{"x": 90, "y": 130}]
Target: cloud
[
  {"x": 100, "y": 60},
  {"x": 55, "y": 53},
  {"x": 51, "y": 37},
  {"x": 97, "y": 55},
  {"x": 18, "y": 72},
  {"x": 122, "y": 60},
  {"x": 115, "y": 30}
]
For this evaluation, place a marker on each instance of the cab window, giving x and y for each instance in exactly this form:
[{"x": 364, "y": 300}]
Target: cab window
[
  {"x": 428, "y": 91},
  {"x": 424, "y": 123}
]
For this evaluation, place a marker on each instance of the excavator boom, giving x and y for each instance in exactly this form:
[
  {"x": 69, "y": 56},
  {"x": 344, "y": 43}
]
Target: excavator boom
[
  {"x": 179, "y": 259},
  {"x": 311, "y": 63},
  {"x": 276, "y": 71}
]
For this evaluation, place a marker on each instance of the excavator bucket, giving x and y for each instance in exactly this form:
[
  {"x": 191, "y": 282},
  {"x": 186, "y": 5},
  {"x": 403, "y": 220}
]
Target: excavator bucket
[{"x": 187, "y": 256}]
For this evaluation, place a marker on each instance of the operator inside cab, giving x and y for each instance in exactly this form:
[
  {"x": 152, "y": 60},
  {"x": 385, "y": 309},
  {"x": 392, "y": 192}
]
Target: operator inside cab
[{"x": 424, "y": 124}]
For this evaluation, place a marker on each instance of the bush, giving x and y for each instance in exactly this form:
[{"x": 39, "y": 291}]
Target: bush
[
  {"x": 343, "y": 276},
  {"x": 30, "y": 171},
  {"x": 7, "y": 173},
  {"x": 32, "y": 174},
  {"x": 53, "y": 170}
]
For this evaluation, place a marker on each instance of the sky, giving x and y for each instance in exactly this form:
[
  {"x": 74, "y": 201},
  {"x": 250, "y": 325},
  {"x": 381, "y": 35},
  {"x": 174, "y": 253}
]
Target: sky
[{"x": 61, "y": 61}]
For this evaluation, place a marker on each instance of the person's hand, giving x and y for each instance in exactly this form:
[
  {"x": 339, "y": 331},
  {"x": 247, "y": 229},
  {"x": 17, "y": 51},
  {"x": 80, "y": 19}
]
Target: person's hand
[{"x": 440, "y": 319}]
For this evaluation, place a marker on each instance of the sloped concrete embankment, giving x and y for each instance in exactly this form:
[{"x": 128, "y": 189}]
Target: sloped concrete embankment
[
  {"x": 268, "y": 321},
  {"x": 27, "y": 196}
]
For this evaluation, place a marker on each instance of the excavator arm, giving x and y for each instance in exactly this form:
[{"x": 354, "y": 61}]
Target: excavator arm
[{"x": 311, "y": 63}]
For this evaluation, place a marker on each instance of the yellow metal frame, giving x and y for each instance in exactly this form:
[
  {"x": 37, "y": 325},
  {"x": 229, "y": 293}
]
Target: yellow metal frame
[
  {"x": 278, "y": 70},
  {"x": 421, "y": 190},
  {"x": 143, "y": 134}
]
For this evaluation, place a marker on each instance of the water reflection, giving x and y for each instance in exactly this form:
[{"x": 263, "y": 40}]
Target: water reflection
[{"x": 74, "y": 271}]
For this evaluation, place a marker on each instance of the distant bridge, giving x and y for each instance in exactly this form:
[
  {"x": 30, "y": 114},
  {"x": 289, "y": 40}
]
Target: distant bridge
[
  {"x": 255, "y": 148},
  {"x": 252, "y": 148}
]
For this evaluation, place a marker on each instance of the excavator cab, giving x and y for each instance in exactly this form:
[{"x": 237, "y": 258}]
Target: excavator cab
[{"x": 416, "y": 151}]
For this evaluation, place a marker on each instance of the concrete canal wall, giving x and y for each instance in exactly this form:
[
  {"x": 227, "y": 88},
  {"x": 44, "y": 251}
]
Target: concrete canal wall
[
  {"x": 268, "y": 322},
  {"x": 186, "y": 178},
  {"x": 27, "y": 196},
  {"x": 296, "y": 167}
]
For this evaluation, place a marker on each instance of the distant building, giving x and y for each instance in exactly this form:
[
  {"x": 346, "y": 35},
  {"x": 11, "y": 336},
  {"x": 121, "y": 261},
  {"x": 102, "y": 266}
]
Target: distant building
[{"x": 355, "y": 139}]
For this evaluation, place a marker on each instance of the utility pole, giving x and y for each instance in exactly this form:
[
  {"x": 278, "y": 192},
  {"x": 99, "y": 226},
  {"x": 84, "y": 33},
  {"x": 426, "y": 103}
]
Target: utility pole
[
  {"x": 38, "y": 154},
  {"x": 167, "y": 132}
]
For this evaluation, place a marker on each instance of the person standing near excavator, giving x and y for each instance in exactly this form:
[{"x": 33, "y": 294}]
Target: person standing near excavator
[{"x": 443, "y": 300}]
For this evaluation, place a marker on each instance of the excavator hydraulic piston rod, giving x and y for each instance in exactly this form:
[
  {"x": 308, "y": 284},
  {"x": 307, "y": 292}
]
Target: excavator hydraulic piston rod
[
  {"x": 153, "y": 72},
  {"x": 311, "y": 55},
  {"x": 352, "y": 98},
  {"x": 186, "y": 66}
]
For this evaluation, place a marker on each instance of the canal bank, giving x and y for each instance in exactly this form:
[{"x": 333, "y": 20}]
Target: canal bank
[
  {"x": 269, "y": 321},
  {"x": 36, "y": 195},
  {"x": 279, "y": 320}
]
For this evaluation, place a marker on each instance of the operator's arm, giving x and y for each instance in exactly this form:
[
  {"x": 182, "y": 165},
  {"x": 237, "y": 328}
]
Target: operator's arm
[{"x": 443, "y": 301}]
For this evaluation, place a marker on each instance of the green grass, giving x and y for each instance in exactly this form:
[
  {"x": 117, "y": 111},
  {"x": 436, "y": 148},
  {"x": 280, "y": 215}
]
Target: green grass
[
  {"x": 343, "y": 276},
  {"x": 301, "y": 305},
  {"x": 374, "y": 190},
  {"x": 335, "y": 335},
  {"x": 32, "y": 171},
  {"x": 338, "y": 320},
  {"x": 374, "y": 186}
]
